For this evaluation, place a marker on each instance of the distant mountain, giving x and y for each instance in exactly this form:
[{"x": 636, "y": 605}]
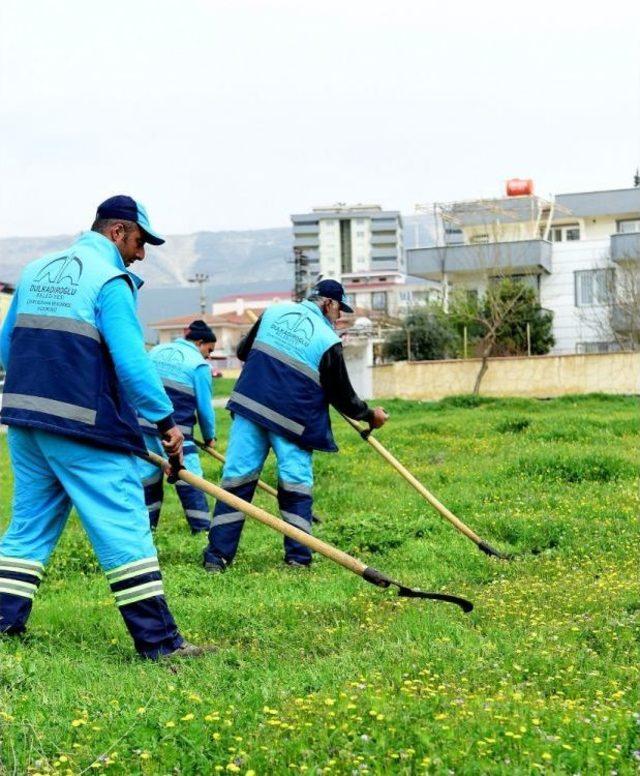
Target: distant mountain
[
  {"x": 227, "y": 257},
  {"x": 236, "y": 262}
]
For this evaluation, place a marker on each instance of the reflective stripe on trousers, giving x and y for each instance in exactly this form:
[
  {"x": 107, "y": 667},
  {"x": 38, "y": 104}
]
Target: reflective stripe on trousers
[
  {"x": 248, "y": 447},
  {"x": 51, "y": 473}
]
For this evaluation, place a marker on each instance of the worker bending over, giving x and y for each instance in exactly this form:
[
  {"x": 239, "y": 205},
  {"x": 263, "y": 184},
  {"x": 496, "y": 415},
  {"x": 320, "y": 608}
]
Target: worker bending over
[
  {"x": 185, "y": 372},
  {"x": 294, "y": 369}
]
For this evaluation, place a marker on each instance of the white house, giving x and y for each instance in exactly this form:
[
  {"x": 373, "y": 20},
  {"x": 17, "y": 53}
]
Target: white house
[{"x": 574, "y": 249}]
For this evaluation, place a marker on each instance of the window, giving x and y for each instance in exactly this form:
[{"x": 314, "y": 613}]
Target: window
[
  {"x": 351, "y": 300},
  {"x": 629, "y": 225},
  {"x": 594, "y": 286},
  {"x": 479, "y": 239},
  {"x": 360, "y": 233},
  {"x": 567, "y": 232},
  {"x": 379, "y": 301},
  {"x": 453, "y": 236}
]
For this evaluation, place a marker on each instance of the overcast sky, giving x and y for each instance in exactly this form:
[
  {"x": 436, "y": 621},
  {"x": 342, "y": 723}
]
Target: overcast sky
[{"x": 232, "y": 115}]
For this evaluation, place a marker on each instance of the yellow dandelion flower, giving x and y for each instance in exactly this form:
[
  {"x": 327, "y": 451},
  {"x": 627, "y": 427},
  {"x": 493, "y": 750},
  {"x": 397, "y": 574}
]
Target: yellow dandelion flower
[
  {"x": 170, "y": 724},
  {"x": 187, "y": 717}
]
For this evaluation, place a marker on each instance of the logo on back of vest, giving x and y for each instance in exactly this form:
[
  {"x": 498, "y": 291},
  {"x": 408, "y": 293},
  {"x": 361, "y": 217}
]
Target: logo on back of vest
[
  {"x": 172, "y": 356},
  {"x": 294, "y": 327},
  {"x": 59, "y": 277}
]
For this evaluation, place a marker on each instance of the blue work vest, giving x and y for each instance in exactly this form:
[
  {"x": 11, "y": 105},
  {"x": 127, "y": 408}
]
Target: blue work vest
[
  {"x": 176, "y": 363},
  {"x": 60, "y": 375},
  {"x": 279, "y": 386}
]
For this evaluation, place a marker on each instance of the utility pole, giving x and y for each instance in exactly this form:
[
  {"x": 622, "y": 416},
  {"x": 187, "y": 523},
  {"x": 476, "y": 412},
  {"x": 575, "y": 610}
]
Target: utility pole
[
  {"x": 301, "y": 275},
  {"x": 200, "y": 278}
]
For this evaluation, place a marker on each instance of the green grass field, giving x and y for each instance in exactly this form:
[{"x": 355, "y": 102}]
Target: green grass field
[
  {"x": 222, "y": 386},
  {"x": 318, "y": 672}
]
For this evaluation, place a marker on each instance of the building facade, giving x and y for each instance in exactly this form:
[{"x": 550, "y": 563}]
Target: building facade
[
  {"x": 578, "y": 251},
  {"x": 362, "y": 247}
]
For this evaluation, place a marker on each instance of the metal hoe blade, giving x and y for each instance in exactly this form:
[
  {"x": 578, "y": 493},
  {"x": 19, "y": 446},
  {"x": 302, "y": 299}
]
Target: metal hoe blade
[
  {"x": 489, "y": 550},
  {"x": 379, "y": 579}
]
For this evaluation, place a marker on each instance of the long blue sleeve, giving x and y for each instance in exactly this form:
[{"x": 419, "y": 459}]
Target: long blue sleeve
[
  {"x": 7, "y": 330},
  {"x": 203, "y": 387},
  {"x": 117, "y": 322}
]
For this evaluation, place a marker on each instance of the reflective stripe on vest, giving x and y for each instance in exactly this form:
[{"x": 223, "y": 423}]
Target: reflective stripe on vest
[
  {"x": 279, "y": 386},
  {"x": 60, "y": 375},
  {"x": 176, "y": 363},
  {"x": 59, "y": 409},
  {"x": 267, "y": 413},
  {"x": 180, "y": 387},
  {"x": 58, "y": 323},
  {"x": 290, "y": 360}
]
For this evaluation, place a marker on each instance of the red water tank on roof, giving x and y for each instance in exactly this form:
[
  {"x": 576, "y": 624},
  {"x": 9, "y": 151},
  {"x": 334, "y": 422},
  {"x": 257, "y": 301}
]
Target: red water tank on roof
[{"x": 519, "y": 187}]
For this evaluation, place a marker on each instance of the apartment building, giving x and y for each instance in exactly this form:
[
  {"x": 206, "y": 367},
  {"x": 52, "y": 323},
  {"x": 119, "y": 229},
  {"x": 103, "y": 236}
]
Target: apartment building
[
  {"x": 574, "y": 249},
  {"x": 362, "y": 247}
]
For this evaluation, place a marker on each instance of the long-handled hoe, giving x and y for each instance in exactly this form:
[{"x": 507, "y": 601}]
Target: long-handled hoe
[
  {"x": 262, "y": 485},
  {"x": 365, "y": 433},
  {"x": 369, "y": 574}
]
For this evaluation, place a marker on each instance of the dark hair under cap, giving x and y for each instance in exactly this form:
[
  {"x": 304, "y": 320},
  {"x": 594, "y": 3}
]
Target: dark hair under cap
[{"x": 198, "y": 330}]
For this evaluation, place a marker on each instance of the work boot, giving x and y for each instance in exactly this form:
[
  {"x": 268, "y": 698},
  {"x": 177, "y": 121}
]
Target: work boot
[
  {"x": 187, "y": 650},
  {"x": 214, "y": 568},
  {"x": 295, "y": 564}
]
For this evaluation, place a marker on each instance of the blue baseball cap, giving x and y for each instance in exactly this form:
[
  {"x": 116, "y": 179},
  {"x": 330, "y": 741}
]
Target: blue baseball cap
[
  {"x": 122, "y": 206},
  {"x": 331, "y": 289}
]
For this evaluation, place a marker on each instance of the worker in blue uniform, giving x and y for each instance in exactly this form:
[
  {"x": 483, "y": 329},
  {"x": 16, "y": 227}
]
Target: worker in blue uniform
[
  {"x": 184, "y": 369},
  {"x": 77, "y": 374},
  {"x": 294, "y": 369}
]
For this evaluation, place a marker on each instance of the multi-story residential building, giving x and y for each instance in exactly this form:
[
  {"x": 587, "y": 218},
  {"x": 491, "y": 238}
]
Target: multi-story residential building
[
  {"x": 362, "y": 247},
  {"x": 345, "y": 241},
  {"x": 574, "y": 249}
]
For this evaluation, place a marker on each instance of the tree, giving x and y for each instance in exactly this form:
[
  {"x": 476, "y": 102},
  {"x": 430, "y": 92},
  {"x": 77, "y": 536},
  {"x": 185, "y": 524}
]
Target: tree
[
  {"x": 497, "y": 322},
  {"x": 427, "y": 334}
]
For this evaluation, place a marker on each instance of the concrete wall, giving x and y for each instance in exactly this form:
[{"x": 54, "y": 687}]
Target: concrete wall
[{"x": 539, "y": 376}]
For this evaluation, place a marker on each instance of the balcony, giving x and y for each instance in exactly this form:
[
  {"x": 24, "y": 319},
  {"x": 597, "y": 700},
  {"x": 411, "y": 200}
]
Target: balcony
[
  {"x": 520, "y": 257},
  {"x": 384, "y": 225},
  {"x": 384, "y": 239},
  {"x": 625, "y": 247},
  {"x": 306, "y": 229},
  {"x": 390, "y": 253},
  {"x": 306, "y": 241}
]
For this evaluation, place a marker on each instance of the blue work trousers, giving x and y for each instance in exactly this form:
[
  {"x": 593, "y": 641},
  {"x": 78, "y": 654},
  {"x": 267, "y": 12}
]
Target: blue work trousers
[
  {"x": 52, "y": 473},
  {"x": 194, "y": 502},
  {"x": 248, "y": 448}
]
